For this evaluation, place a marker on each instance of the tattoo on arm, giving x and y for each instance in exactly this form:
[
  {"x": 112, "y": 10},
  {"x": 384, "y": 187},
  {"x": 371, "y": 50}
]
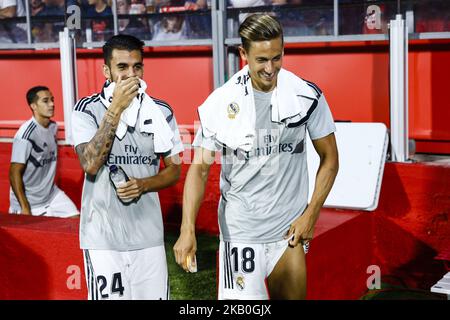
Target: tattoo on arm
[{"x": 93, "y": 154}]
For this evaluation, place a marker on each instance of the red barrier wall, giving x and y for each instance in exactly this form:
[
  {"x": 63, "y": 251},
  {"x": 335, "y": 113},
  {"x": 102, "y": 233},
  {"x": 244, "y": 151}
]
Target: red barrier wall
[
  {"x": 353, "y": 75},
  {"x": 41, "y": 259}
]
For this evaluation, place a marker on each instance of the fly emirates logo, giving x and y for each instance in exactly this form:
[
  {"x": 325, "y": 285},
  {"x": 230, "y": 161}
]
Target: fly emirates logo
[
  {"x": 266, "y": 145},
  {"x": 270, "y": 145},
  {"x": 131, "y": 156}
]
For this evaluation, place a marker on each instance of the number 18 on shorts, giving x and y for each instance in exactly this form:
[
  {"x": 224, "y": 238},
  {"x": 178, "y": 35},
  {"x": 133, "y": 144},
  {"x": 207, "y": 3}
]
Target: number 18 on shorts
[{"x": 243, "y": 269}]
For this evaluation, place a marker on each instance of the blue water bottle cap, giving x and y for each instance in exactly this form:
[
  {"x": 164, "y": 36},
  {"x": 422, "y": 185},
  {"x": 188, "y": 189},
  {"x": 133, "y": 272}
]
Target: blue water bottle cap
[{"x": 113, "y": 168}]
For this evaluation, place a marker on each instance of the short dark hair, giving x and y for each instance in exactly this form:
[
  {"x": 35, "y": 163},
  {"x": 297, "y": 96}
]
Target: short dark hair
[
  {"x": 121, "y": 42},
  {"x": 32, "y": 93},
  {"x": 259, "y": 27}
]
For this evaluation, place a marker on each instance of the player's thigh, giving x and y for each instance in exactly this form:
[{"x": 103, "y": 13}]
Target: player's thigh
[
  {"x": 148, "y": 274},
  {"x": 62, "y": 206},
  {"x": 242, "y": 272},
  {"x": 106, "y": 275},
  {"x": 288, "y": 278}
]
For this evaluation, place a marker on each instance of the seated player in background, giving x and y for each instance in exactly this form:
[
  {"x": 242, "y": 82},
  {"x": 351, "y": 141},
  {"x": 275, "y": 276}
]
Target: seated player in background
[{"x": 33, "y": 162}]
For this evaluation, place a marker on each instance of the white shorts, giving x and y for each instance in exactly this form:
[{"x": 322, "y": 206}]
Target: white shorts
[
  {"x": 243, "y": 268},
  {"x": 127, "y": 275},
  {"x": 61, "y": 206}
]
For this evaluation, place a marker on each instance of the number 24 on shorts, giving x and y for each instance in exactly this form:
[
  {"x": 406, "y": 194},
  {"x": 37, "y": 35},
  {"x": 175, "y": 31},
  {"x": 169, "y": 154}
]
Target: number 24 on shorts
[{"x": 116, "y": 285}]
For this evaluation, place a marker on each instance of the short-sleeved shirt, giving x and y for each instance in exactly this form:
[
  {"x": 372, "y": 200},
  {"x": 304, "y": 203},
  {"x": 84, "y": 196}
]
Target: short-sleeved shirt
[
  {"x": 36, "y": 147},
  {"x": 106, "y": 223},
  {"x": 265, "y": 190}
]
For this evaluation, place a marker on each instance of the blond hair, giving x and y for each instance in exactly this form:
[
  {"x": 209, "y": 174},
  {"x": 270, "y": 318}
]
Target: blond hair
[{"x": 259, "y": 27}]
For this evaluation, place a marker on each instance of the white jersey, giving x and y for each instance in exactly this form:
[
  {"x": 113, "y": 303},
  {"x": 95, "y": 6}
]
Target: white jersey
[
  {"x": 106, "y": 223},
  {"x": 265, "y": 190},
  {"x": 36, "y": 147}
]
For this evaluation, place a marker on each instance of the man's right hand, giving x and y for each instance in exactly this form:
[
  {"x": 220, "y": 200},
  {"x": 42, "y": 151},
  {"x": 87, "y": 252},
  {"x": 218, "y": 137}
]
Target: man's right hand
[
  {"x": 185, "y": 246},
  {"x": 124, "y": 92}
]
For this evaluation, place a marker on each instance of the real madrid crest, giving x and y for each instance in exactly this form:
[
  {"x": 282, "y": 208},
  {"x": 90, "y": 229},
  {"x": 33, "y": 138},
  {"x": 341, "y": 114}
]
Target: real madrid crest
[
  {"x": 233, "y": 110},
  {"x": 240, "y": 282}
]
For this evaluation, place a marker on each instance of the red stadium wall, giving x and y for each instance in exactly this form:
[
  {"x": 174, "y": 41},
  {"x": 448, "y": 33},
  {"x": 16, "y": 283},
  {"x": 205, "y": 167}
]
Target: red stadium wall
[{"x": 353, "y": 75}]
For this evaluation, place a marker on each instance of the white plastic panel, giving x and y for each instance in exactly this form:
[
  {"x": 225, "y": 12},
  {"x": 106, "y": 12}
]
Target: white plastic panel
[{"x": 362, "y": 153}]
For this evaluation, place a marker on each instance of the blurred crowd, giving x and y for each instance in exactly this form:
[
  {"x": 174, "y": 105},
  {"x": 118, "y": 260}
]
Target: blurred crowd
[
  {"x": 190, "y": 19},
  {"x": 47, "y": 19}
]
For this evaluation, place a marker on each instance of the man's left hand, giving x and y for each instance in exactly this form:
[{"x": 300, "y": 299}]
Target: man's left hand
[{"x": 131, "y": 189}]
